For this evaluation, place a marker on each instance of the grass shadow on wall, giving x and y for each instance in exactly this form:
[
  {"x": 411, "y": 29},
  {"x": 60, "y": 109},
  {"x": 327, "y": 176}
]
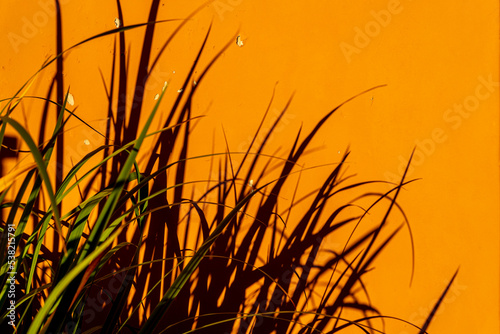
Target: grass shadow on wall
[{"x": 237, "y": 257}]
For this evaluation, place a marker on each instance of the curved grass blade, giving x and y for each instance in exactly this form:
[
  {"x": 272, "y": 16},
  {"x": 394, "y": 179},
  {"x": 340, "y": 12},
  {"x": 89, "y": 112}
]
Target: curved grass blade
[
  {"x": 42, "y": 168},
  {"x": 36, "y": 326}
]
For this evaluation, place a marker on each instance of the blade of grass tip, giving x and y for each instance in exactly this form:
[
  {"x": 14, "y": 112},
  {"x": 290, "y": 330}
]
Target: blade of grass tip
[
  {"x": 103, "y": 34},
  {"x": 23, "y": 93},
  {"x": 407, "y": 223},
  {"x": 42, "y": 169},
  {"x": 230, "y": 164},
  {"x": 294, "y": 155},
  {"x": 388, "y": 211},
  {"x": 423, "y": 330},
  {"x": 36, "y": 325},
  {"x": 176, "y": 31},
  {"x": 258, "y": 129}
]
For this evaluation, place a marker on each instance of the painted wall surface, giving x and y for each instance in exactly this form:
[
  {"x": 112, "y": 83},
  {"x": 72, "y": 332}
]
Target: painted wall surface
[{"x": 438, "y": 60}]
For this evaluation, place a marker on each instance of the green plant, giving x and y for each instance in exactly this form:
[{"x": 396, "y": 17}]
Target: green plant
[{"x": 254, "y": 266}]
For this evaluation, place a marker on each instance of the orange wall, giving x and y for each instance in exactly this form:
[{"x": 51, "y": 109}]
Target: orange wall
[{"x": 439, "y": 60}]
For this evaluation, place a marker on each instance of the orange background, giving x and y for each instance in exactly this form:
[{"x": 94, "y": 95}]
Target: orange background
[{"x": 435, "y": 58}]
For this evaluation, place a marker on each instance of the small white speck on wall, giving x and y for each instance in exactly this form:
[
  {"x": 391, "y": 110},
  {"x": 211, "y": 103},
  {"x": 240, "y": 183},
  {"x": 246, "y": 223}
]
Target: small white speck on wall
[
  {"x": 239, "y": 41},
  {"x": 86, "y": 142},
  {"x": 250, "y": 184},
  {"x": 157, "y": 96},
  {"x": 180, "y": 90},
  {"x": 71, "y": 99},
  {"x": 118, "y": 23}
]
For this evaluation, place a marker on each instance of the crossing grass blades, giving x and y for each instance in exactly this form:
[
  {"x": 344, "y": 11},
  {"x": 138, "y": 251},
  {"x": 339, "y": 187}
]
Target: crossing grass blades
[{"x": 257, "y": 266}]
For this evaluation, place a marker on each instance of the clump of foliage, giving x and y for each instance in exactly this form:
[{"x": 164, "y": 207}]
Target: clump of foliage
[{"x": 244, "y": 263}]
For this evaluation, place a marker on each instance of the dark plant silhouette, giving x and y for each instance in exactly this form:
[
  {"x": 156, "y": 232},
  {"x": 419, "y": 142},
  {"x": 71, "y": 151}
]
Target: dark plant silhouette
[{"x": 237, "y": 260}]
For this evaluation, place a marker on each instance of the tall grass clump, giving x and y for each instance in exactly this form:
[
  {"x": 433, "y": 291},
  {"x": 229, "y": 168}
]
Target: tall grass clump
[{"x": 134, "y": 249}]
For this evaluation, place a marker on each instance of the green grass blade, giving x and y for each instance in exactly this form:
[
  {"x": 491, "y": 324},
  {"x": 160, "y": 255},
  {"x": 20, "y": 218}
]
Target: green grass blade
[
  {"x": 36, "y": 326},
  {"x": 36, "y": 252},
  {"x": 42, "y": 168},
  {"x": 76, "y": 233}
]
